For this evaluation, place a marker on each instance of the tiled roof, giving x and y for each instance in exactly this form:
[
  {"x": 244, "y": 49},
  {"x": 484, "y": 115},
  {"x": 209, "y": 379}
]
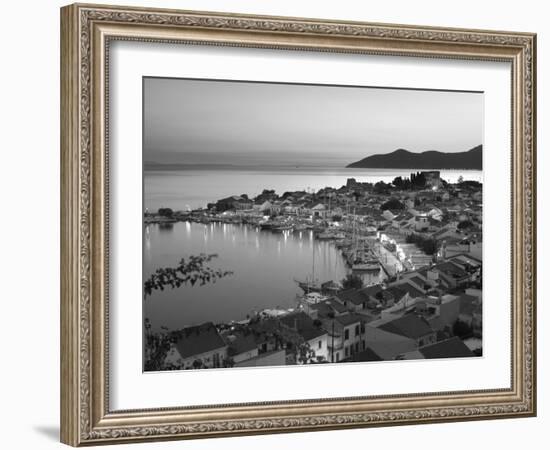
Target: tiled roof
[
  {"x": 450, "y": 268},
  {"x": 397, "y": 292},
  {"x": 372, "y": 290},
  {"x": 410, "y": 289},
  {"x": 327, "y": 306},
  {"x": 242, "y": 344},
  {"x": 303, "y": 324},
  {"x": 198, "y": 339},
  {"x": 451, "y": 348},
  {"x": 367, "y": 355},
  {"x": 352, "y": 295},
  {"x": 408, "y": 325},
  {"x": 417, "y": 280},
  {"x": 349, "y": 319}
]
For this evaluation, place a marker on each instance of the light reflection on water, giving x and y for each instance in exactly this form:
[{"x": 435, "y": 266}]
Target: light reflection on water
[{"x": 265, "y": 265}]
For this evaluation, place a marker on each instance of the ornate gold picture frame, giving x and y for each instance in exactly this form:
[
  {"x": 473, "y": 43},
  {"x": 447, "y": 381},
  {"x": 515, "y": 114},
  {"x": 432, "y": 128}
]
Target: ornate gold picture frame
[{"x": 86, "y": 34}]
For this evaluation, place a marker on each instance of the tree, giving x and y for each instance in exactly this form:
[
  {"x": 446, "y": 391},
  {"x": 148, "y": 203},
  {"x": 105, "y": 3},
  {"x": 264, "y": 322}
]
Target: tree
[
  {"x": 402, "y": 183},
  {"x": 191, "y": 271},
  {"x": 381, "y": 188},
  {"x": 228, "y": 362},
  {"x": 352, "y": 281},
  {"x": 464, "y": 225},
  {"x": 304, "y": 353},
  {"x": 471, "y": 184},
  {"x": 197, "y": 364},
  {"x": 462, "y": 329},
  {"x": 392, "y": 204},
  {"x": 165, "y": 212},
  {"x": 317, "y": 323},
  {"x": 356, "y": 195},
  {"x": 398, "y": 182},
  {"x": 426, "y": 244},
  {"x": 418, "y": 180},
  {"x": 460, "y": 179}
]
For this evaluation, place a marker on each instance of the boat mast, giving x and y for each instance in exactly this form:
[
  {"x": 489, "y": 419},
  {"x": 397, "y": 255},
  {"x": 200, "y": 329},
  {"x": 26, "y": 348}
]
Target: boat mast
[
  {"x": 313, "y": 262},
  {"x": 354, "y": 239}
]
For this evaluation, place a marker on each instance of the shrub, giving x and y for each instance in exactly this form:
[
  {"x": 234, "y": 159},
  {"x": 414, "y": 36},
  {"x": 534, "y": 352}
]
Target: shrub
[
  {"x": 465, "y": 224},
  {"x": 165, "y": 212},
  {"x": 392, "y": 204},
  {"x": 462, "y": 329},
  {"x": 352, "y": 281},
  {"x": 426, "y": 244}
]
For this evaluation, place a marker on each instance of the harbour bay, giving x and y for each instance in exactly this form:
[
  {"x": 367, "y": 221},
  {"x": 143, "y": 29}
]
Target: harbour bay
[{"x": 264, "y": 266}]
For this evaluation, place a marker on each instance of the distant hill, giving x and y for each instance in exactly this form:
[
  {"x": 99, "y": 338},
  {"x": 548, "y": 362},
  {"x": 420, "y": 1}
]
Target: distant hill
[{"x": 403, "y": 159}]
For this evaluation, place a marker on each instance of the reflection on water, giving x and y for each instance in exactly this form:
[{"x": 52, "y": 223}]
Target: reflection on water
[
  {"x": 264, "y": 266},
  {"x": 165, "y": 226}
]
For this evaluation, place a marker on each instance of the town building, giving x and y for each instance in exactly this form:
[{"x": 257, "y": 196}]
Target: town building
[
  {"x": 345, "y": 335},
  {"x": 432, "y": 178},
  {"x": 413, "y": 327},
  {"x": 313, "y": 335},
  {"x": 197, "y": 347}
]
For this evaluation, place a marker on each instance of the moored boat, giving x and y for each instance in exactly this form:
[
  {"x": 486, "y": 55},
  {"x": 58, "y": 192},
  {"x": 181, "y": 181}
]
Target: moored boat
[
  {"x": 300, "y": 227},
  {"x": 281, "y": 228},
  {"x": 308, "y": 285},
  {"x": 366, "y": 266}
]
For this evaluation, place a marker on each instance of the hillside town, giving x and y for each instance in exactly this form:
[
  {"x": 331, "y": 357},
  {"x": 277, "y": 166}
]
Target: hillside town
[{"x": 420, "y": 236}]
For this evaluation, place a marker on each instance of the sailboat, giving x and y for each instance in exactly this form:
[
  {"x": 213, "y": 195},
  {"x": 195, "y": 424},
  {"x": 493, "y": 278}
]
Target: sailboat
[
  {"x": 361, "y": 260},
  {"x": 310, "y": 284}
]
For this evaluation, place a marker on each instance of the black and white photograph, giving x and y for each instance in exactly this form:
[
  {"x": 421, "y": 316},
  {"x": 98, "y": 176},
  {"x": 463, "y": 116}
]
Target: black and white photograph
[{"x": 297, "y": 224}]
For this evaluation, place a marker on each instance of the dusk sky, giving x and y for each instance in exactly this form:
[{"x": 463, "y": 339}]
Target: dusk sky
[{"x": 264, "y": 124}]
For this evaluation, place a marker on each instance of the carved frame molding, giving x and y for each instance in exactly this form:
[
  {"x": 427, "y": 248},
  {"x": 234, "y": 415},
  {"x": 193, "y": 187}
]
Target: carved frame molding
[{"x": 86, "y": 31}]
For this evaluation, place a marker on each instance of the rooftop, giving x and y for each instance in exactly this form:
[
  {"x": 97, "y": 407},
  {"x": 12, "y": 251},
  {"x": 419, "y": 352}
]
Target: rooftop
[
  {"x": 418, "y": 281},
  {"x": 409, "y": 325},
  {"x": 397, "y": 291},
  {"x": 328, "y": 306},
  {"x": 367, "y": 355},
  {"x": 451, "y": 348},
  {"x": 303, "y": 324},
  {"x": 352, "y": 295},
  {"x": 242, "y": 344},
  {"x": 450, "y": 269},
  {"x": 410, "y": 289},
  {"x": 372, "y": 290},
  {"x": 198, "y": 339},
  {"x": 350, "y": 319}
]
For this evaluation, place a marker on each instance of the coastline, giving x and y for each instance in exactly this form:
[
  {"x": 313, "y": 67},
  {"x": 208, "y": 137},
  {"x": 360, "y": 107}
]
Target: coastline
[{"x": 195, "y": 188}]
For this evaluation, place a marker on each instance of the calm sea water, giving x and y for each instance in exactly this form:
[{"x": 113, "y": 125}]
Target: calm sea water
[
  {"x": 189, "y": 189},
  {"x": 264, "y": 266}
]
